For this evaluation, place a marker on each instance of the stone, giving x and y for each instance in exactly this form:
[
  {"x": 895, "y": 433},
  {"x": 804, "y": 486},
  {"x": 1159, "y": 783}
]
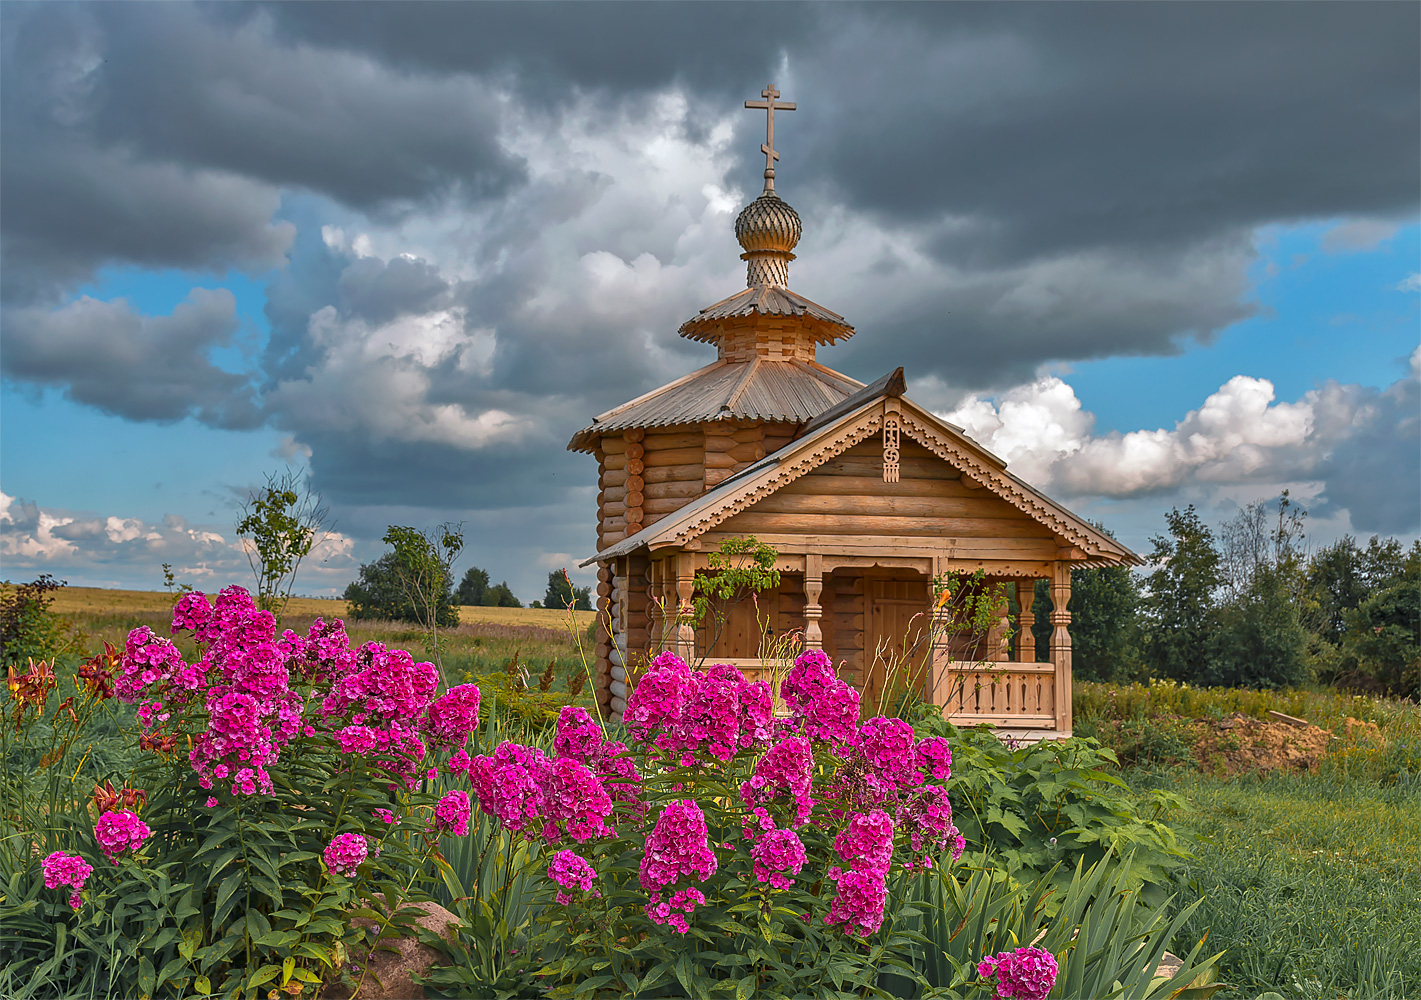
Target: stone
[{"x": 390, "y": 974}]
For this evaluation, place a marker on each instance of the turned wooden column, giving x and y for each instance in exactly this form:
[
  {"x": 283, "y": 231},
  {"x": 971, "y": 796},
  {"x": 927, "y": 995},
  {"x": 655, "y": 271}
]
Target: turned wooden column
[
  {"x": 998, "y": 639},
  {"x": 813, "y": 611},
  {"x": 1061, "y": 641},
  {"x": 1025, "y": 620},
  {"x": 685, "y": 569}
]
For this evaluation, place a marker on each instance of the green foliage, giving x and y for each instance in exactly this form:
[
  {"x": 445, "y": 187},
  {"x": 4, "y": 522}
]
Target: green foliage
[
  {"x": 1383, "y": 637},
  {"x": 281, "y": 523},
  {"x": 1108, "y": 940},
  {"x": 500, "y": 595},
  {"x": 378, "y": 595},
  {"x": 1105, "y": 624},
  {"x": 28, "y": 628},
  {"x": 562, "y": 594},
  {"x": 1259, "y": 640},
  {"x": 1036, "y": 805},
  {"x": 424, "y": 561},
  {"x": 1179, "y": 612},
  {"x": 472, "y": 587}
]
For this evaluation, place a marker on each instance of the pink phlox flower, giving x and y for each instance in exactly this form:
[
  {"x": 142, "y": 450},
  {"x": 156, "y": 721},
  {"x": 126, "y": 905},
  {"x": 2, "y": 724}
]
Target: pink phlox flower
[
  {"x": 346, "y": 853},
  {"x": 385, "y": 685},
  {"x": 785, "y": 774},
  {"x": 927, "y": 817},
  {"x": 509, "y": 784},
  {"x": 574, "y": 797},
  {"x": 119, "y": 833},
  {"x": 453, "y": 715},
  {"x": 866, "y": 843},
  {"x": 578, "y": 736},
  {"x": 858, "y": 905},
  {"x": 191, "y": 612},
  {"x": 710, "y": 720},
  {"x": 933, "y": 757},
  {"x": 670, "y": 913},
  {"x": 323, "y": 653},
  {"x": 678, "y": 847},
  {"x": 389, "y": 818},
  {"x": 69, "y": 870},
  {"x": 572, "y": 871},
  {"x": 822, "y": 706},
  {"x": 458, "y": 763},
  {"x": 777, "y": 858},
  {"x": 618, "y": 771},
  {"x": 656, "y": 704},
  {"x": 757, "y": 715},
  {"x": 148, "y": 661},
  {"x": 451, "y": 814},
  {"x": 1024, "y": 974}
]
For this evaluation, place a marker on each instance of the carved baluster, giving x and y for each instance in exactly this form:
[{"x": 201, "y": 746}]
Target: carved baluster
[
  {"x": 1025, "y": 620},
  {"x": 1061, "y": 641},
  {"x": 813, "y": 612}
]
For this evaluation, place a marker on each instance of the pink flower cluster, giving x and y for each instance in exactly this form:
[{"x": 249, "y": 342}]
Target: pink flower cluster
[
  {"x": 119, "y": 833},
  {"x": 572, "y": 871},
  {"x": 451, "y": 814},
  {"x": 580, "y": 738},
  {"x": 858, "y": 905},
  {"x": 519, "y": 786},
  {"x": 453, "y": 716},
  {"x": 823, "y": 707},
  {"x": 346, "y": 853},
  {"x": 927, "y": 816},
  {"x": 716, "y": 711},
  {"x": 70, "y": 870},
  {"x": 866, "y": 845},
  {"x": 777, "y": 858},
  {"x": 1024, "y": 974},
  {"x": 677, "y": 848},
  {"x": 784, "y": 775}
]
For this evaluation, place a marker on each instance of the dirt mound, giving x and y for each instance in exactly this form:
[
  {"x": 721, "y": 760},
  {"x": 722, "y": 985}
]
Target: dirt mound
[
  {"x": 1363, "y": 732},
  {"x": 1241, "y": 743}
]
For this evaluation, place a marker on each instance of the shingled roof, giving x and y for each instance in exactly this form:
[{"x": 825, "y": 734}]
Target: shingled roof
[
  {"x": 824, "y": 325},
  {"x": 758, "y": 389}
]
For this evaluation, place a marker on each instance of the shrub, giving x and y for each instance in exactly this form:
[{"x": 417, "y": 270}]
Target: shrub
[
  {"x": 378, "y": 594},
  {"x": 28, "y": 629},
  {"x": 234, "y": 867}
]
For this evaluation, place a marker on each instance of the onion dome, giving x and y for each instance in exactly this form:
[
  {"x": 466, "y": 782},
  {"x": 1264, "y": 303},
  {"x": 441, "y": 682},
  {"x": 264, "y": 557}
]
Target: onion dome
[{"x": 768, "y": 229}]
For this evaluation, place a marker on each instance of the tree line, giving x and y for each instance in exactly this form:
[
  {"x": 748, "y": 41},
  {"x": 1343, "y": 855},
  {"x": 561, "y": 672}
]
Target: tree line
[
  {"x": 414, "y": 582},
  {"x": 1250, "y": 606}
]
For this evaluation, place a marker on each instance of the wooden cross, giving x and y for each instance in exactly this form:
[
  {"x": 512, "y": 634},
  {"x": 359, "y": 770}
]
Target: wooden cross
[{"x": 769, "y": 105}]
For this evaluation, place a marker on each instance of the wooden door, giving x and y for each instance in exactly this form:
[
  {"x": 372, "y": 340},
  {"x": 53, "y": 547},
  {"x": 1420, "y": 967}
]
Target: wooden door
[{"x": 896, "y": 640}]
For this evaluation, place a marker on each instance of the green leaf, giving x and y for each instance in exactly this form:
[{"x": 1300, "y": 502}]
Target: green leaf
[
  {"x": 203, "y": 985},
  {"x": 288, "y": 966},
  {"x": 265, "y": 973},
  {"x": 225, "y": 897},
  {"x": 745, "y": 988}
]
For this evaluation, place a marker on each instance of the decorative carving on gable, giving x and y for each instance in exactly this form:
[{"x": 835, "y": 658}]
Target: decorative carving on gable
[
  {"x": 891, "y": 451},
  {"x": 993, "y": 480},
  {"x": 786, "y": 473}
]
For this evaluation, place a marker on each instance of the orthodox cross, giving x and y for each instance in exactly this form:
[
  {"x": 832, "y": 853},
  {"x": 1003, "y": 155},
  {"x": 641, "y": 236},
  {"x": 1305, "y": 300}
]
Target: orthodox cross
[{"x": 769, "y": 105}]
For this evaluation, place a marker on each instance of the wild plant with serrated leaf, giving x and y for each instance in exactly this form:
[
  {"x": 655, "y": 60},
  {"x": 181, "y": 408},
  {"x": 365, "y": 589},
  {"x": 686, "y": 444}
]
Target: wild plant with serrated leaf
[{"x": 286, "y": 789}]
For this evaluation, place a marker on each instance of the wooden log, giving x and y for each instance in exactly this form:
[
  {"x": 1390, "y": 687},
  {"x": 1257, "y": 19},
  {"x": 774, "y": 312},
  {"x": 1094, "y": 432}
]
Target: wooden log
[
  {"x": 604, "y": 588},
  {"x": 681, "y": 490},
  {"x": 615, "y": 462},
  {"x": 635, "y": 434},
  {"x": 714, "y": 477},
  {"x": 613, "y": 477},
  {"x": 613, "y": 445},
  {"x": 618, "y": 706},
  {"x": 634, "y": 499},
  {"x": 635, "y": 451},
  {"x": 635, "y": 484},
  {"x": 718, "y": 460},
  {"x": 614, "y": 494},
  {"x": 619, "y": 673},
  {"x": 614, "y": 523},
  {"x": 610, "y": 507},
  {"x": 677, "y": 439},
  {"x": 635, "y": 467},
  {"x": 660, "y": 508},
  {"x": 989, "y": 551},
  {"x": 675, "y": 473},
  {"x": 673, "y": 456},
  {"x": 610, "y": 538},
  {"x": 718, "y": 443}
]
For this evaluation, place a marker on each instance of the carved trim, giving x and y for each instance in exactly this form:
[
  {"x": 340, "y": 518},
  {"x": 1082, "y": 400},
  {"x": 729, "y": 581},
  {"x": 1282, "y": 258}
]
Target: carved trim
[
  {"x": 785, "y": 473},
  {"x": 891, "y": 450},
  {"x": 1002, "y": 486}
]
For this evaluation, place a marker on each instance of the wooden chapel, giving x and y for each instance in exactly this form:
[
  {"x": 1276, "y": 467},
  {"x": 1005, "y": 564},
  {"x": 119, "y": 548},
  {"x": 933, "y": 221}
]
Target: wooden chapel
[{"x": 866, "y": 496}]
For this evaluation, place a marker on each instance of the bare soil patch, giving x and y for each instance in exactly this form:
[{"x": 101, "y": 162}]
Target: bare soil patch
[{"x": 1240, "y": 744}]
